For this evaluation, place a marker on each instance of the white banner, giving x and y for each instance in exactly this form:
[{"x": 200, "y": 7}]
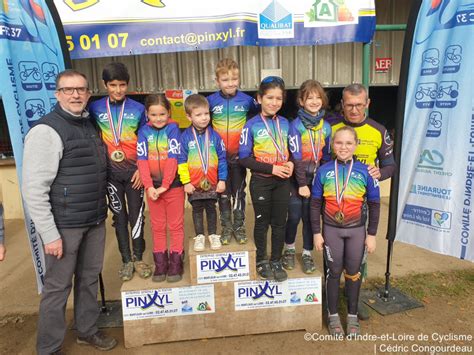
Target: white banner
[
  {"x": 168, "y": 302},
  {"x": 222, "y": 267},
  {"x": 437, "y": 162},
  {"x": 270, "y": 294}
]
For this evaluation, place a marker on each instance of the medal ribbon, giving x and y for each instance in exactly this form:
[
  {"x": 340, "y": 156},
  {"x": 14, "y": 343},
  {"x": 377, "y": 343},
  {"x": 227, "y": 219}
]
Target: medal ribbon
[
  {"x": 280, "y": 148},
  {"x": 340, "y": 194},
  {"x": 311, "y": 138},
  {"x": 203, "y": 157},
  {"x": 116, "y": 134}
]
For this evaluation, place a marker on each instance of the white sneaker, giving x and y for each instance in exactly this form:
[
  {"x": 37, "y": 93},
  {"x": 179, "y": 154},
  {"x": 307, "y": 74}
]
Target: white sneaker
[
  {"x": 199, "y": 242},
  {"x": 215, "y": 241}
]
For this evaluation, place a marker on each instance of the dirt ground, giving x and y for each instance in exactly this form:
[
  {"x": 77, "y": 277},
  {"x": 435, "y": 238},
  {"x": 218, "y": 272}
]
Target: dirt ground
[{"x": 445, "y": 321}]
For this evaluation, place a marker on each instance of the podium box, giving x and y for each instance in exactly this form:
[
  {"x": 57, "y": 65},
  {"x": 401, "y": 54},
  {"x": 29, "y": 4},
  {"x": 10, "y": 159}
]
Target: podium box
[{"x": 166, "y": 312}]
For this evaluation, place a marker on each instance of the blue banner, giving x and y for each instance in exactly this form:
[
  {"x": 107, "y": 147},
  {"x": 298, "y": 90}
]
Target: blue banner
[
  {"x": 31, "y": 58},
  {"x": 110, "y": 28},
  {"x": 436, "y": 192}
]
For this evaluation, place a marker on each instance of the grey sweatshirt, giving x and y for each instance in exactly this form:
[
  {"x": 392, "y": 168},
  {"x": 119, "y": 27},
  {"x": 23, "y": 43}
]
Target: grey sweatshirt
[{"x": 42, "y": 152}]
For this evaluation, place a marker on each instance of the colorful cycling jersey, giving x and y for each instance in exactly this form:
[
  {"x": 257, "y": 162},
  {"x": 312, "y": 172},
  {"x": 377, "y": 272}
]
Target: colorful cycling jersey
[
  {"x": 189, "y": 160},
  {"x": 375, "y": 147},
  {"x": 360, "y": 188},
  {"x": 265, "y": 147},
  {"x": 306, "y": 143},
  {"x": 133, "y": 118},
  {"x": 157, "y": 146},
  {"x": 229, "y": 114}
]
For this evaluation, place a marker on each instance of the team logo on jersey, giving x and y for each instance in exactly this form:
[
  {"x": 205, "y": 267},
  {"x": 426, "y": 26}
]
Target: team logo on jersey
[
  {"x": 141, "y": 149},
  {"x": 239, "y": 108},
  {"x": 387, "y": 138},
  {"x": 191, "y": 144},
  {"x": 218, "y": 109},
  {"x": 173, "y": 146},
  {"x": 330, "y": 175},
  {"x": 262, "y": 133}
]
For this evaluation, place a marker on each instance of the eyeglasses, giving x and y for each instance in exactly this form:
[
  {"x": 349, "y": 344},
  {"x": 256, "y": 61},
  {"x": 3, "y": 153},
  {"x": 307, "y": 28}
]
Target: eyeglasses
[
  {"x": 273, "y": 79},
  {"x": 69, "y": 91},
  {"x": 358, "y": 107}
]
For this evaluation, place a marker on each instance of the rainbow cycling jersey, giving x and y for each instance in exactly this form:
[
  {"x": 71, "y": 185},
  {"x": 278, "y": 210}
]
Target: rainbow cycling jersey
[
  {"x": 361, "y": 187},
  {"x": 158, "y": 145},
  {"x": 189, "y": 156},
  {"x": 229, "y": 114},
  {"x": 133, "y": 118},
  {"x": 257, "y": 142}
]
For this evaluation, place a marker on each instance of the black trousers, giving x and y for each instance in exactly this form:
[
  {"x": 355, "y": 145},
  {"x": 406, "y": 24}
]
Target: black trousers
[
  {"x": 234, "y": 196},
  {"x": 198, "y": 215},
  {"x": 270, "y": 197},
  {"x": 127, "y": 206}
]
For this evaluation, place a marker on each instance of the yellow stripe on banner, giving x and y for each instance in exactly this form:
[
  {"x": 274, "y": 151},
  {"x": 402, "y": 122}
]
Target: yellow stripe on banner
[
  {"x": 5, "y": 6},
  {"x": 246, "y": 19},
  {"x": 367, "y": 12}
]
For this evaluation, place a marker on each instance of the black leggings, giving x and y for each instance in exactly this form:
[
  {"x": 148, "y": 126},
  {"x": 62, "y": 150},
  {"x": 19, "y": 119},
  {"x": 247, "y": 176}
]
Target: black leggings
[
  {"x": 270, "y": 196},
  {"x": 343, "y": 251},
  {"x": 198, "y": 215},
  {"x": 127, "y": 207}
]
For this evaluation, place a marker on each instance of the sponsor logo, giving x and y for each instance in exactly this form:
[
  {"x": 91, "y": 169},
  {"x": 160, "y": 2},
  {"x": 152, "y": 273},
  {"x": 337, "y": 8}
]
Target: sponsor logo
[
  {"x": 258, "y": 291},
  {"x": 432, "y": 218},
  {"x": 324, "y": 12},
  {"x": 141, "y": 148},
  {"x": 275, "y": 22},
  {"x": 435, "y": 122},
  {"x": 218, "y": 265},
  {"x": 431, "y": 191},
  {"x": 173, "y": 146},
  {"x": 431, "y": 162},
  {"x": 262, "y": 133},
  {"x": 239, "y": 108},
  {"x": 218, "y": 109},
  {"x": 149, "y": 300}
]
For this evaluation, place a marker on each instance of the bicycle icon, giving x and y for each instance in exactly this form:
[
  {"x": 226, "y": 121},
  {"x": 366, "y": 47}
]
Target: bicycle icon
[
  {"x": 449, "y": 91},
  {"x": 50, "y": 70},
  {"x": 432, "y": 60},
  {"x": 435, "y": 119},
  {"x": 32, "y": 71},
  {"x": 38, "y": 110},
  {"x": 452, "y": 55},
  {"x": 430, "y": 92}
]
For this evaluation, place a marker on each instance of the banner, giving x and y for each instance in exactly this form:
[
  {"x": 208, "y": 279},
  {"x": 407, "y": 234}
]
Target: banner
[
  {"x": 108, "y": 28},
  {"x": 436, "y": 192},
  {"x": 31, "y": 58}
]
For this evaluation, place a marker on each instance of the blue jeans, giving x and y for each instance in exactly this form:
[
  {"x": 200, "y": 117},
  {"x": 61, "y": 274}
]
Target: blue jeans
[{"x": 299, "y": 208}]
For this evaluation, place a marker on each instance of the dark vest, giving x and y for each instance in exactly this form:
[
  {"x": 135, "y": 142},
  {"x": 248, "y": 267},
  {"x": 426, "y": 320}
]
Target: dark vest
[{"x": 78, "y": 192}]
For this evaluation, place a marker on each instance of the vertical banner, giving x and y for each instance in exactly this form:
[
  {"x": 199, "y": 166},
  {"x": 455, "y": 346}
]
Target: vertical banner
[
  {"x": 436, "y": 192},
  {"x": 31, "y": 57}
]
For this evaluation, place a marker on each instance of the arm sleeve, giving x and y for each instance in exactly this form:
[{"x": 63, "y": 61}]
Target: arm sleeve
[
  {"x": 315, "y": 214},
  {"x": 42, "y": 153},
  {"x": 373, "y": 202},
  {"x": 143, "y": 119},
  {"x": 142, "y": 160},
  {"x": 374, "y": 215},
  {"x": 327, "y": 144},
  {"x": 254, "y": 108},
  {"x": 385, "y": 157},
  {"x": 222, "y": 158},
  {"x": 294, "y": 142},
  {"x": 183, "y": 170},
  {"x": 246, "y": 158}
]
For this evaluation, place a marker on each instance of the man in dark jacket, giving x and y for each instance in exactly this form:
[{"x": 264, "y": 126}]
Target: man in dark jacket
[{"x": 64, "y": 187}]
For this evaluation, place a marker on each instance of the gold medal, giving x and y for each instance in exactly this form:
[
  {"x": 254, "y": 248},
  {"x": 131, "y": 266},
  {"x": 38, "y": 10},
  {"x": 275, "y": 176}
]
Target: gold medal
[
  {"x": 117, "y": 156},
  {"x": 339, "y": 217},
  {"x": 205, "y": 185}
]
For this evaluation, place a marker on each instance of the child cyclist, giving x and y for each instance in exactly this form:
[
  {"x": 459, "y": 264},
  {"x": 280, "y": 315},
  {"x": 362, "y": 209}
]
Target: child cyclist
[
  {"x": 230, "y": 109},
  {"x": 158, "y": 150},
  {"x": 264, "y": 150},
  {"x": 347, "y": 191},
  {"x": 119, "y": 119},
  {"x": 310, "y": 135},
  {"x": 202, "y": 169}
]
